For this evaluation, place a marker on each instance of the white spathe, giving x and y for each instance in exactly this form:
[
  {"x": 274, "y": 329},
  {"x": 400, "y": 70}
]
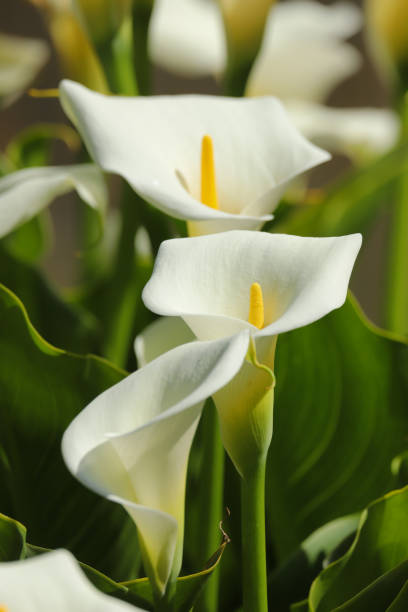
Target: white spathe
[
  {"x": 20, "y": 60},
  {"x": 24, "y": 193},
  {"x": 131, "y": 444},
  {"x": 52, "y": 582},
  {"x": 159, "y": 337},
  {"x": 207, "y": 280},
  {"x": 155, "y": 144}
]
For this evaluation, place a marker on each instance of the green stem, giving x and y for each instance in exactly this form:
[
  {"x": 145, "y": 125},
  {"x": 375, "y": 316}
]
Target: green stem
[
  {"x": 253, "y": 539},
  {"x": 141, "y": 13},
  {"x": 236, "y": 76},
  {"x": 211, "y": 503},
  {"x": 397, "y": 306}
]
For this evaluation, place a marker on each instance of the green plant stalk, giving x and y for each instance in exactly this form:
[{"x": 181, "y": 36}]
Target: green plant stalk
[
  {"x": 141, "y": 13},
  {"x": 119, "y": 334},
  {"x": 253, "y": 539},
  {"x": 397, "y": 303},
  {"x": 211, "y": 503}
]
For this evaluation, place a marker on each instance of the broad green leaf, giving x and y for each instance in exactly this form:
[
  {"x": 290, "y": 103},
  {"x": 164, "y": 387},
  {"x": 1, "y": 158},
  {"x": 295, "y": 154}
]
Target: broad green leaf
[
  {"x": 291, "y": 581},
  {"x": 340, "y": 419},
  {"x": 352, "y": 203},
  {"x": 61, "y": 324},
  {"x": 43, "y": 389},
  {"x": 375, "y": 568}
]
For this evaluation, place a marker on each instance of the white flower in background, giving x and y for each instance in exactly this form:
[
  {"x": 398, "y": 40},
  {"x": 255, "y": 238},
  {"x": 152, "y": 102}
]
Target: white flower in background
[
  {"x": 179, "y": 45},
  {"x": 220, "y": 163},
  {"x": 358, "y": 133},
  {"x": 52, "y": 582},
  {"x": 265, "y": 283},
  {"x": 303, "y": 56},
  {"x": 24, "y": 193},
  {"x": 20, "y": 61},
  {"x": 131, "y": 444}
]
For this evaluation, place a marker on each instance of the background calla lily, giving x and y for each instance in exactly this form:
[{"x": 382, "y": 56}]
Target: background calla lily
[
  {"x": 154, "y": 143},
  {"x": 52, "y": 582},
  {"x": 207, "y": 281},
  {"x": 20, "y": 60},
  {"x": 26, "y": 192},
  {"x": 131, "y": 444}
]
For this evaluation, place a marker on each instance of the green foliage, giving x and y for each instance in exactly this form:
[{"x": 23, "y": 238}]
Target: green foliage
[
  {"x": 372, "y": 573},
  {"x": 340, "y": 419},
  {"x": 43, "y": 388}
]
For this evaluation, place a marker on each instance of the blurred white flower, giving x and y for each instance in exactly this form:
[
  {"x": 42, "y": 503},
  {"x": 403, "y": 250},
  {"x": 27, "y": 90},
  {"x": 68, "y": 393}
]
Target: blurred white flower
[
  {"x": 24, "y": 193},
  {"x": 20, "y": 61}
]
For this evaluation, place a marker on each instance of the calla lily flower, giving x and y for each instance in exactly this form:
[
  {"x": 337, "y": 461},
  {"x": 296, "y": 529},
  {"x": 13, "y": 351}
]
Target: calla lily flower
[
  {"x": 24, "y": 193},
  {"x": 159, "y": 337},
  {"x": 154, "y": 143},
  {"x": 265, "y": 283},
  {"x": 20, "y": 60},
  {"x": 52, "y": 582},
  {"x": 131, "y": 444}
]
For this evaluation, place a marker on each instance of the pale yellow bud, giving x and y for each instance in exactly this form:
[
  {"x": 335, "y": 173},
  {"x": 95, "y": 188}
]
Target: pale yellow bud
[
  {"x": 76, "y": 55},
  {"x": 389, "y": 22},
  {"x": 244, "y": 22}
]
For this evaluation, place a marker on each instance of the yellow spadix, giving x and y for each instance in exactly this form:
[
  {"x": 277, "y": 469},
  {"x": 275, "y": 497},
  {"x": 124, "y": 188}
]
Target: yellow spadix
[
  {"x": 208, "y": 184},
  {"x": 256, "y": 306}
]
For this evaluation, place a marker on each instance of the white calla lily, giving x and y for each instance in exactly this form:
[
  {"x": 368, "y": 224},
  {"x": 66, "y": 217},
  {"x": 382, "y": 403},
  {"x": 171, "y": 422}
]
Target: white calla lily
[
  {"x": 52, "y": 582},
  {"x": 131, "y": 444},
  {"x": 209, "y": 282},
  {"x": 20, "y": 60},
  {"x": 154, "y": 143},
  {"x": 26, "y": 192}
]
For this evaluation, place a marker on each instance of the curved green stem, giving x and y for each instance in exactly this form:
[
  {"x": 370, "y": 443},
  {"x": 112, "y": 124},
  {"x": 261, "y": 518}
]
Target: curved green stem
[
  {"x": 253, "y": 539},
  {"x": 211, "y": 503}
]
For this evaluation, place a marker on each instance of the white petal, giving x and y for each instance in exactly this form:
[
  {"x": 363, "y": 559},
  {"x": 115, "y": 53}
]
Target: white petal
[
  {"x": 187, "y": 37},
  {"x": 353, "y": 131},
  {"x": 161, "y": 336},
  {"x": 52, "y": 582},
  {"x": 303, "y": 55},
  {"x": 25, "y": 193},
  {"x": 131, "y": 444},
  {"x": 155, "y": 143},
  {"x": 207, "y": 280},
  {"x": 20, "y": 60}
]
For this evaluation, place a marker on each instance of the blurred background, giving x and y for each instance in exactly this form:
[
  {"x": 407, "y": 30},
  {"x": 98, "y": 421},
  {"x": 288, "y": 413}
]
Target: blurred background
[{"x": 364, "y": 88}]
